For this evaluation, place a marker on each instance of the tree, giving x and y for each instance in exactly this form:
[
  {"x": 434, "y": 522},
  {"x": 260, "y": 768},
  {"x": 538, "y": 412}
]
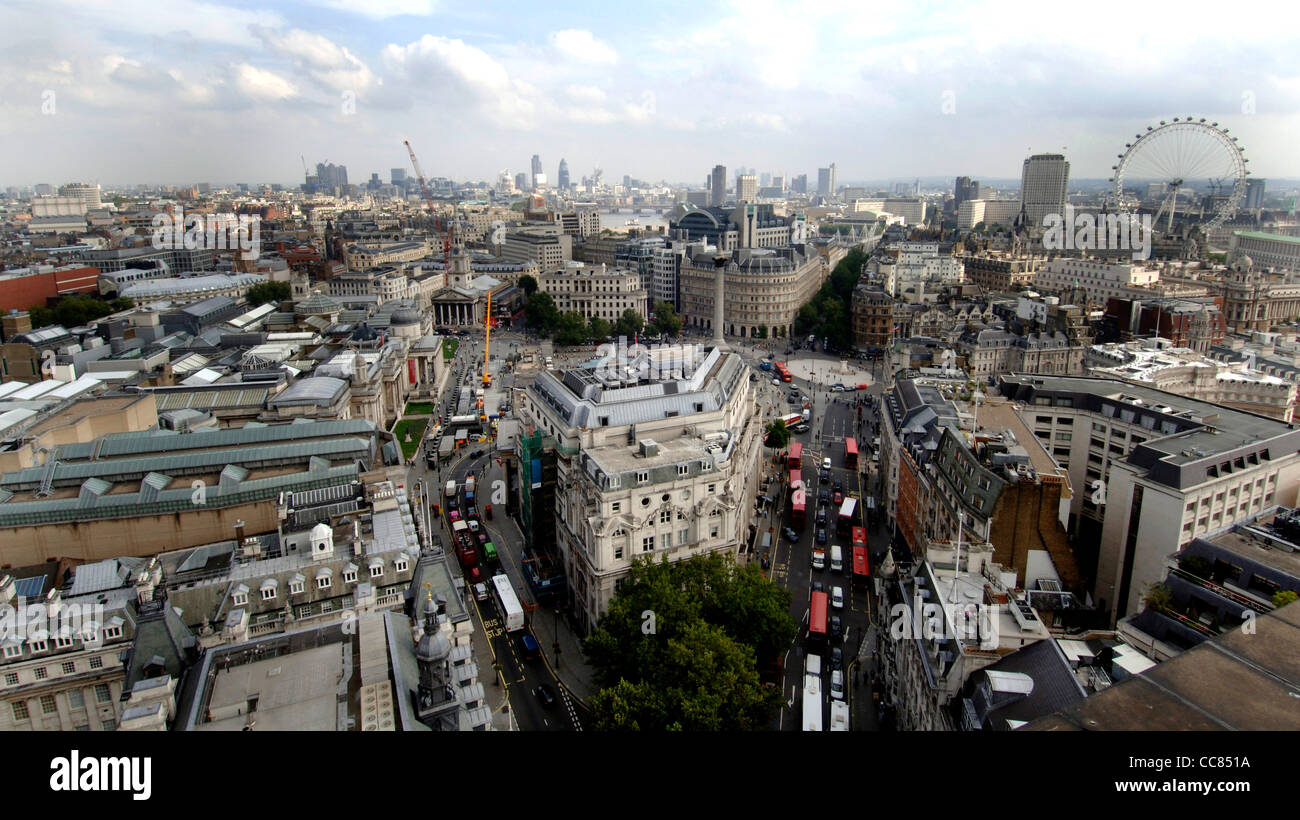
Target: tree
[
  {"x": 71, "y": 311},
  {"x": 629, "y": 324},
  {"x": 570, "y": 329},
  {"x": 695, "y": 667},
  {"x": 1159, "y": 597},
  {"x": 540, "y": 313},
  {"x": 666, "y": 321},
  {"x": 263, "y": 292},
  {"x": 1195, "y": 564},
  {"x": 121, "y": 303},
  {"x": 528, "y": 284},
  {"x": 598, "y": 329},
  {"x": 1283, "y": 597},
  {"x": 776, "y": 435}
]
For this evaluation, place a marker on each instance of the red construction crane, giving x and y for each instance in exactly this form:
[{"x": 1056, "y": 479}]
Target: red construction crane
[{"x": 442, "y": 228}]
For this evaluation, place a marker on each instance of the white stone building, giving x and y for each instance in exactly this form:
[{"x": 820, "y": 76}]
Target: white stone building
[{"x": 595, "y": 291}]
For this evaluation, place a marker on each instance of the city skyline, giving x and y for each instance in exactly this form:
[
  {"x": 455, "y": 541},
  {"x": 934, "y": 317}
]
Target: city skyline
[{"x": 128, "y": 97}]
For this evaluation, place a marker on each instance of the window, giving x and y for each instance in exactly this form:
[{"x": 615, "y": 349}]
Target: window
[
  {"x": 75, "y": 699},
  {"x": 13, "y": 651},
  {"x": 642, "y": 476},
  {"x": 713, "y": 531},
  {"x": 238, "y": 599},
  {"x": 97, "y": 662},
  {"x": 42, "y": 673},
  {"x": 400, "y": 564},
  {"x": 11, "y": 679},
  {"x": 618, "y": 552},
  {"x": 20, "y": 710},
  {"x": 49, "y": 705},
  {"x": 712, "y": 487},
  {"x": 109, "y": 725},
  {"x": 113, "y": 632},
  {"x": 323, "y": 582},
  {"x": 63, "y": 641},
  {"x": 1061, "y": 436},
  {"x": 665, "y": 516},
  {"x": 268, "y": 593},
  {"x": 39, "y": 646},
  {"x": 647, "y": 543},
  {"x": 102, "y": 693},
  {"x": 617, "y": 506},
  {"x": 683, "y": 470},
  {"x": 683, "y": 536},
  {"x": 69, "y": 667},
  {"x": 350, "y": 576}
]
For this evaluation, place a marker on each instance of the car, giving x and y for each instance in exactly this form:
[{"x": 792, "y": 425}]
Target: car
[
  {"x": 837, "y": 685},
  {"x": 823, "y": 496},
  {"x": 838, "y": 486},
  {"x": 776, "y": 382},
  {"x": 824, "y": 476},
  {"x": 475, "y": 453},
  {"x": 837, "y": 388},
  {"x": 480, "y": 592},
  {"x": 821, "y": 535},
  {"x": 821, "y": 516},
  {"x": 837, "y": 628},
  {"x": 545, "y": 695},
  {"x": 837, "y": 658},
  {"x": 817, "y": 586},
  {"x": 791, "y": 535},
  {"x": 804, "y": 399},
  {"x": 792, "y": 400},
  {"x": 837, "y": 597},
  {"x": 838, "y": 498},
  {"x": 826, "y": 463}
]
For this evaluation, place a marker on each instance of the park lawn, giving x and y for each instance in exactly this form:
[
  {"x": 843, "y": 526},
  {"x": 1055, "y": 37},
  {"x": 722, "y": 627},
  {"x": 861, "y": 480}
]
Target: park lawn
[
  {"x": 449, "y": 348},
  {"x": 419, "y": 408},
  {"x": 416, "y": 428}
]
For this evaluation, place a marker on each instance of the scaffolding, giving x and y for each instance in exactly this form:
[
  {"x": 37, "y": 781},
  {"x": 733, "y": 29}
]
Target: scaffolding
[{"x": 542, "y": 566}]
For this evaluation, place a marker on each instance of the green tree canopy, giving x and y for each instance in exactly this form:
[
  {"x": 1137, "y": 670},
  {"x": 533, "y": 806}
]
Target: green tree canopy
[
  {"x": 629, "y": 324},
  {"x": 263, "y": 292},
  {"x": 598, "y": 329},
  {"x": 74, "y": 311},
  {"x": 570, "y": 329},
  {"x": 666, "y": 320},
  {"x": 528, "y": 284},
  {"x": 697, "y": 669},
  {"x": 540, "y": 313},
  {"x": 776, "y": 435}
]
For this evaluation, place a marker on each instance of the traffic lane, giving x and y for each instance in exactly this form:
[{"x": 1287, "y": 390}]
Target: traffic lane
[{"x": 522, "y": 678}]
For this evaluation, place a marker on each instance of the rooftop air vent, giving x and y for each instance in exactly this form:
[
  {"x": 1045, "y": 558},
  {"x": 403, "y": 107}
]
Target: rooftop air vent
[{"x": 647, "y": 448}]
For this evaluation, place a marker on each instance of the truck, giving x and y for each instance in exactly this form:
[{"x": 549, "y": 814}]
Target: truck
[
  {"x": 450, "y": 490},
  {"x": 819, "y": 558},
  {"x": 837, "y": 559},
  {"x": 765, "y": 366},
  {"x": 812, "y": 704},
  {"x": 806, "y": 415},
  {"x": 813, "y": 665}
]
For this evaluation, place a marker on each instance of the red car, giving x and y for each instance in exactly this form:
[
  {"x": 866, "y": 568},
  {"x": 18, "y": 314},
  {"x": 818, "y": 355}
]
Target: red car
[{"x": 839, "y": 498}]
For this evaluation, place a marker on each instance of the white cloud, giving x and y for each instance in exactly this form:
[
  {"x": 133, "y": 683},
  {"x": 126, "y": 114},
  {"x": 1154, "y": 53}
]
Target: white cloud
[
  {"x": 581, "y": 46},
  {"x": 382, "y": 9},
  {"x": 585, "y": 93},
  {"x": 327, "y": 63},
  {"x": 261, "y": 85},
  {"x": 457, "y": 73}
]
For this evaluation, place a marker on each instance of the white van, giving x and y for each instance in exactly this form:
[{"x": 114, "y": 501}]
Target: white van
[
  {"x": 837, "y": 559},
  {"x": 813, "y": 665}
]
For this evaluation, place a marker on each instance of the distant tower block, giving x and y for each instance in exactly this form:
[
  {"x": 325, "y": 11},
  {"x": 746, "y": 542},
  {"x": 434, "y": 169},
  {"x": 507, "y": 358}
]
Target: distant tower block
[{"x": 719, "y": 299}]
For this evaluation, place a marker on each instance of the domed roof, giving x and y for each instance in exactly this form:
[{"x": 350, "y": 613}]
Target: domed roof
[
  {"x": 1244, "y": 262},
  {"x": 318, "y": 304},
  {"x": 405, "y": 316},
  {"x": 433, "y": 645}
]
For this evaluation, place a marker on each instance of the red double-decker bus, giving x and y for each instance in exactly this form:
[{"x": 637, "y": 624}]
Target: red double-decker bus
[
  {"x": 817, "y": 618},
  {"x": 782, "y": 372},
  {"x": 861, "y": 573},
  {"x": 797, "y": 502},
  {"x": 851, "y": 453},
  {"x": 795, "y": 460}
]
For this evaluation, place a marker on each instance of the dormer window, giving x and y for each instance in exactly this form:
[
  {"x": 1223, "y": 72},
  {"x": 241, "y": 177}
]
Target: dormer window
[
  {"x": 296, "y": 585},
  {"x": 401, "y": 563},
  {"x": 269, "y": 589},
  {"x": 376, "y": 569}
]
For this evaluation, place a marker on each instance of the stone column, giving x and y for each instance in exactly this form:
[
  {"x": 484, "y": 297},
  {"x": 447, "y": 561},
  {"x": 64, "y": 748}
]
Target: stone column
[{"x": 719, "y": 299}]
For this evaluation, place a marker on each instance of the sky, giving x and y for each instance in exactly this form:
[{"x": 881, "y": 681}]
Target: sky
[{"x": 186, "y": 91}]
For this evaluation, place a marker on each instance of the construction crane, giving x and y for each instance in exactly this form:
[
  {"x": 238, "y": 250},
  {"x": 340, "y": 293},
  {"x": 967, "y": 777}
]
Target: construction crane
[
  {"x": 487, "y": 342},
  {"x": 441, "y": 227}
]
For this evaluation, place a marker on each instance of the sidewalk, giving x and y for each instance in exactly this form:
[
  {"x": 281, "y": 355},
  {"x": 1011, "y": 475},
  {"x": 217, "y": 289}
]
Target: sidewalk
[{"x": 568, "y": 662}]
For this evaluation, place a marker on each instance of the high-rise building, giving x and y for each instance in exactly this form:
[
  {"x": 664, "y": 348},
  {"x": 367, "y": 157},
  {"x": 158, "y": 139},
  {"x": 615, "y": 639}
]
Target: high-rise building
[
  {"x": 521, "y": 181},
  {"x": 1254, "y": 194},
  {"x": 746, "y": 188},
  {"x": 397, "y": 176},
  {"x": 778, "y": 181},
  {"x": 965, "y": 190},
  {"x": 718, "y": 185},
  {"x": 87, "y": 193},
  {"x": 562, "y": 177},
  {"x": 826, "y": 181},
  {"x": 537, "y": 172},
  {"x": 801, "y": 184},
  {"x": 331, "y": 176},
  {"x": 1043, "y": 186}
]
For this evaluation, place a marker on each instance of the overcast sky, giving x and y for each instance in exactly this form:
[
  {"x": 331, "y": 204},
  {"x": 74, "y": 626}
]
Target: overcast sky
[{"x": 117, "y": 91}]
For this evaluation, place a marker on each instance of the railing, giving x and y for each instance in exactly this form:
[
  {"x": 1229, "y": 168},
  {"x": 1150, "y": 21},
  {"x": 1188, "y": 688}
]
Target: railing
[{"x": 1235, "y": 597}]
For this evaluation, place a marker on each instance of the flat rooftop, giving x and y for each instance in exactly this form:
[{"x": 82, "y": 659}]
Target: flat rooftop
[
  {"x": 1002, "y": 415},
  {"x": 295, "y": 692},
  {"x": 1238, "y": 541}
]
